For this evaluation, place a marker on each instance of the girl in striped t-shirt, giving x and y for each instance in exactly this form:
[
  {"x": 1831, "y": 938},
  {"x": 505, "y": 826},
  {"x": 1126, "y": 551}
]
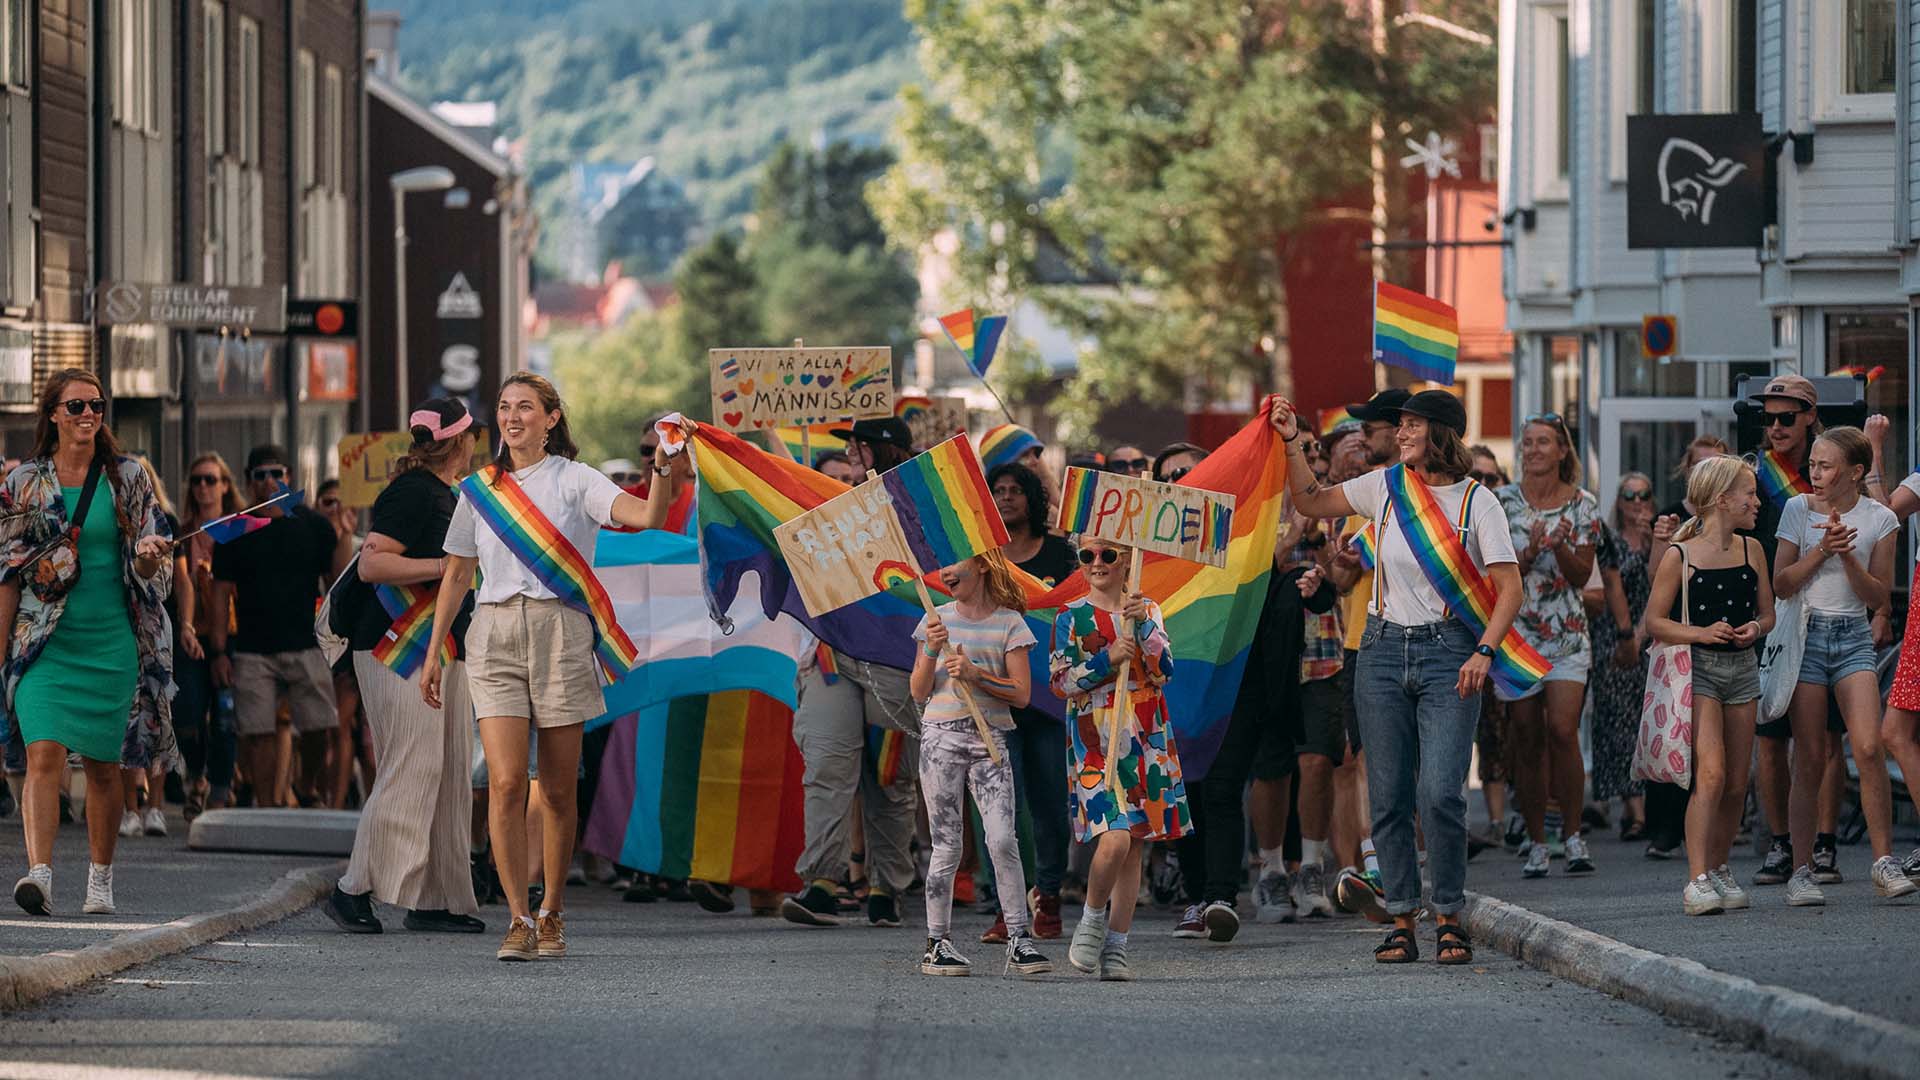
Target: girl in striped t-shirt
[{"x": 977, "y": 644}]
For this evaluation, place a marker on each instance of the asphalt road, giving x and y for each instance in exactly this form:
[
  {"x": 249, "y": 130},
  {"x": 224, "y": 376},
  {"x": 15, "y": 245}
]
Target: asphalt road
[{"x": 664, "y": 990}]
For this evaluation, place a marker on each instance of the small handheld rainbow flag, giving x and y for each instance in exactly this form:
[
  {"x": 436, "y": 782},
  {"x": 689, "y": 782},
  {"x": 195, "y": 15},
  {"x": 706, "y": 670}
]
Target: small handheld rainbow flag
[
  {"x": 404, "y": 646},
  {"x": 1415, "y": 332},
  {"x": 1779, "y": 481},
  {"x": 946, "y": 510},
  {"x": 239, "y": 523},
  {"x": 1366, "y": 544},
  {"x": 977, "y": 340}
]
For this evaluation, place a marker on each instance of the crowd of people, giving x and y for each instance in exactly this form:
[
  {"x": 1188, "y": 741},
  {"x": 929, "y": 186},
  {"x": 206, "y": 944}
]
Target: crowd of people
[{"x": 1423, "y": 611}]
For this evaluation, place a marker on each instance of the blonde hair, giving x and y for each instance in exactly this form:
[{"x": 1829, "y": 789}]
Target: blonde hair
[
  {"x": 997, "y": 575},
  {"x": 1709, "y": 480}
]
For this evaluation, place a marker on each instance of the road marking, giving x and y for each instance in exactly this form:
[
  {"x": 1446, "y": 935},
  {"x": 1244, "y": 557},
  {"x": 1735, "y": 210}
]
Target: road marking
[
  {"x": 53, "y": 1070},
  {"x": 262, "y": 944},
  {"x": 160, "y": 982},
  {"x": 75, "y": 924}
]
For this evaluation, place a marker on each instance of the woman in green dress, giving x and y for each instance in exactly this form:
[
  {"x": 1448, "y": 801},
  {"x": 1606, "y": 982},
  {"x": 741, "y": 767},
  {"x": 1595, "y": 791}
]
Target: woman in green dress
[{"x": 83, "y": 611}]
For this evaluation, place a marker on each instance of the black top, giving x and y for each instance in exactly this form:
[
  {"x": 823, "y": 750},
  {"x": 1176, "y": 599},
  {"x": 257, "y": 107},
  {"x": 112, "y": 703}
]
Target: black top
[
  {"x": 1730, "y": 593},
  {"x": 1765, "y": 525},
  {"x": 1053, "y": 563},
  {"x": 1271, "y": 685},
  {"x": 277, "y": 573},
  {"x": 414, "y": 510}
]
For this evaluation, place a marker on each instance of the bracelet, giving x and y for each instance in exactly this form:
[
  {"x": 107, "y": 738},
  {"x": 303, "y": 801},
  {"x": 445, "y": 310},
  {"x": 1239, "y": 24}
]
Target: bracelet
[
  {"x": 929, "y": 652},
  {"x": 1872, "y": 479}
]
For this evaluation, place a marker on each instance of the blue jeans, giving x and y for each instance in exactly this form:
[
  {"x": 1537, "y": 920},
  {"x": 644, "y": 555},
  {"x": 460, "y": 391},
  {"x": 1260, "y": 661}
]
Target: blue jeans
[
  {"x": 1038, "y": 745},
  {"x": 1419, "y": 737},
  {"x": 205, "y": 730}
]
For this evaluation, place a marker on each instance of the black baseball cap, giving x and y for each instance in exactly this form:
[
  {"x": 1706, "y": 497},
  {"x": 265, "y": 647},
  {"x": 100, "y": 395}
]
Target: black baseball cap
[
  {"x": 887, "y": 431},
  {"x": 1439, "y": 407},
  {"x": 1385, "y": 405}
]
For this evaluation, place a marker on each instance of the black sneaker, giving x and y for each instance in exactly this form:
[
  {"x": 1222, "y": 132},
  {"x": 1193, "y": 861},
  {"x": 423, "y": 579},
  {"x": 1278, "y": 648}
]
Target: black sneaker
[
  {"x": 442, "y": 921},
  {"x": 717, "y": 899},
  {"x": 353, "y": 914},
  {"x": 882, "y": 909},
  {"x": 1826, "y": 860},
  {"x": 1022, "y": 957},
  {"x": 1777, "y": 867},
  {"x": 941, "y": 958},
  {"x": 642, "y": 891},
  {"x": 815, "y": 906}
]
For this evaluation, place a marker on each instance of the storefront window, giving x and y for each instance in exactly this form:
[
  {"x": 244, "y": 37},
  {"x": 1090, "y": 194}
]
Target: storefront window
[
  {"x": 1874, "y": 344},
  {"x": 1634, "y": 375}
]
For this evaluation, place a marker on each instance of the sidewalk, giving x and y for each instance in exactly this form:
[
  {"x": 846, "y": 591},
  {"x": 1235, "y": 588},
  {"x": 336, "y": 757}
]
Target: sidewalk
[{"x": 1856, "y": 952}]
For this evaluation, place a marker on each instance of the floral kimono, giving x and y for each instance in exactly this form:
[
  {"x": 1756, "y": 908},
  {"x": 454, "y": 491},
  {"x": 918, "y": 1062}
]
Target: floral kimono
[
  {"x": 1152, "y": 803},
  {"x": 35, "y": 513}
]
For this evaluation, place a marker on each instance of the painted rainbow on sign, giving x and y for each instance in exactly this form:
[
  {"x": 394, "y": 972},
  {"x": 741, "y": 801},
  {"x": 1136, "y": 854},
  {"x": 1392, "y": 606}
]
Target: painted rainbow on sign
[
  {"x": 1415, "y": 332},
  {"x": 945, "y": 508}
]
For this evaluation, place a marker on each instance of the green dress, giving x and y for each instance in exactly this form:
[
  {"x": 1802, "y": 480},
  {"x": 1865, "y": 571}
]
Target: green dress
[{"x": 79, "y": 691}]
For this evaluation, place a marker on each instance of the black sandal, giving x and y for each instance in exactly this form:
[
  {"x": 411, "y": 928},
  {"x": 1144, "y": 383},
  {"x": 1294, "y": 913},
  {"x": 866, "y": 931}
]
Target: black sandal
[
  {"x": 1451, "y": 940},
  {"x": 1398, "y": 941}
]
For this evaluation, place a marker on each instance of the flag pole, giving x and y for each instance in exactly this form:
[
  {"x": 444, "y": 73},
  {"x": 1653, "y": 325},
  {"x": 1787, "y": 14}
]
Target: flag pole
[
  {"x": 1122, "y": 693},
  {"x": 230, "y": 517}
]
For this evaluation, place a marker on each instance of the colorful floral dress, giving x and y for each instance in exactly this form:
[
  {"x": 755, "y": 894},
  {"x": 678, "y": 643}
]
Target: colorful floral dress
[
  {"x": 1552, "y": 617},
  {"x": 1154, "y": 802}
]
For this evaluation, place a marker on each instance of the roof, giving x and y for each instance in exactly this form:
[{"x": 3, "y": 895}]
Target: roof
[{"x": 437, "y": 126}]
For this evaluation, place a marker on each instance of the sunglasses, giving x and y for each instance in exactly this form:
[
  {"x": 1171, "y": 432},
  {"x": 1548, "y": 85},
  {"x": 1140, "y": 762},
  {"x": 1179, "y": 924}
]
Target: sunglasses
[
  {"x": 626, "y": 479},
  {"x": 1105, "y": 555},
  {"x": 201, "y": 480},
  {"x": 1121, "y": 464},
  {"x": 1782, "y": 419},
  {"x": 76, "y": 406},
  {"x": 1175, "y": 476},
  {"x": 1552, "y": 418},
  {"x": 268, "y": 472},
  {"x": 648, "y": 451},
  {"x": 1637, "y": 496},
  {"x": 329, "y": 502}
]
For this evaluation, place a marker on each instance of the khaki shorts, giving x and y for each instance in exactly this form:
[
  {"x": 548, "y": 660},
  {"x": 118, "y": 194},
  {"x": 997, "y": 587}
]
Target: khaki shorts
[
  {"x": 304, "y": 677},
  {"x": 533, "y": 659}
]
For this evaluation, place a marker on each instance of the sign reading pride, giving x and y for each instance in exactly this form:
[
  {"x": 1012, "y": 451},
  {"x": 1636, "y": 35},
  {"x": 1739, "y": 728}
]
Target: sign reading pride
[
  {"x": 754, "y": 389},
  {"x": 1168, "y": 519}
]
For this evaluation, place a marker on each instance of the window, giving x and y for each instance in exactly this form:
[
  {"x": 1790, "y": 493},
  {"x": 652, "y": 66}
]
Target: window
[
  {"x": 303, "y": 120},
  {"x": 136, "y": 76},
  {"x": 1635, "y": 375},
  {"x": 1646, "y": 56},
  {"x": 333, "y": 148},
  {"x": 1854, "y": 49},
  {"x": 1552, "y": 133},
  {"x": 1563, "y": 99},
  {"x": 1874, "y": 344},
  {"x": 13, "y": 50},
  {"x": 1871, "y": 30},
  {"x": 249, "y": 93},
  {"x": 1744, "y": 56},
  {"x": 1634, "y": 66},
  {"x": 213, "y": 20}
]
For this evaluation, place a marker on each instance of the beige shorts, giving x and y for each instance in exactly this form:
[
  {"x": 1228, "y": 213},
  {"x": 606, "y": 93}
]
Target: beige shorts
[
  {"x": 534, "y": 659},
  {"x": 304, "y": 677}
]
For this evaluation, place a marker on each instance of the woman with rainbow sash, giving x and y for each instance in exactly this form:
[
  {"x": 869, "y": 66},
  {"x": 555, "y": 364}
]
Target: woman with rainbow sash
[
  {"x": 528, "y": 522},
  {"x": 1439, "y": 628},
  {"x": 411, "y": 846}
]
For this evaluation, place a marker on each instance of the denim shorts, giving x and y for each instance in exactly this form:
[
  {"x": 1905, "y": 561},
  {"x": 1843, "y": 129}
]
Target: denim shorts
[
  {"x": 1837, "y": 646},
  {"x": 1730, "y": 677}
]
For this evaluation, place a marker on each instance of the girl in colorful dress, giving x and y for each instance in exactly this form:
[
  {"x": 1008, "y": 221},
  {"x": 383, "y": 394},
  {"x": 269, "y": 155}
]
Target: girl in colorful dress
[
  {"x": 1836, "y": 546},
  {"x": 1089, "y": 652},
  {"x": 1729, "y": 607},
  {"x": 1901, "y": 728},
  {"x": 978, "y": 643}
]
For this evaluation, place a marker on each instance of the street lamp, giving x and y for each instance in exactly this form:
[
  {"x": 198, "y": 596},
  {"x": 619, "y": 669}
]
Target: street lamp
[{"x": 425, "y": 178}]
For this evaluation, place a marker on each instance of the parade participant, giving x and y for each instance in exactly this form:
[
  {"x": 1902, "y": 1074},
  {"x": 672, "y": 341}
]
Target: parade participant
[
  {"x": 1486, "y": 468},
  {"x": 1846, "y": 572},
  {"x": 272, "y": 577},
  {"x": 1176, "y": 460},
  {"x": 1901, "y": 728},
  {"x": 835, "y": 464},
  {"x": 205, "y": 730},
  {"x": 149, "y": 784},
  {"x": 1023, "y": 504},
  {"x": 1128, "y": 460},
  {"x": 1350, "y": 453},
  {"x": 83, "y": 604},
  {"x": 631, "y": 478},
  {"x": 1321, "y": 708},
  {"x": 1619, "y": 659},
  {"x": 1423, "y": 663},
  {"x": 979, "y": 642},
  {"x": 347, "y": 734},
  {"x": 1088, "y": 654},
  {"x": 830, "y": 728},
  {"x": 1728, "y": 608},
  {"x": 1379, "y": 422},
  {"x": 529, "y": 522},
  {"x": 411, "y": 848},
  {"x": 1556, "y": 527}
]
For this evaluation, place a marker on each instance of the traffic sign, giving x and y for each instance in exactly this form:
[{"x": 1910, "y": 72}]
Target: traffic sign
[{"x": 1659, "y": 336}]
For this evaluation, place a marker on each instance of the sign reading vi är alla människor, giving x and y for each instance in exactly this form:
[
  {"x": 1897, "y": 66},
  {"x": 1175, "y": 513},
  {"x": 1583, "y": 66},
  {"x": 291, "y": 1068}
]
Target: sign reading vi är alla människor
[
  {"x": 233, "y": 307},
  {"x": 769, "y": 388}
]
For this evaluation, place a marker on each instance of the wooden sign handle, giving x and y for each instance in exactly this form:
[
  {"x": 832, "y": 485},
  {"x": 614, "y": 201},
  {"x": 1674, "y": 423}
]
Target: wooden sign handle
[
  {"x": 966, "y": 695},
  {"x": 1122, "y": 693}
]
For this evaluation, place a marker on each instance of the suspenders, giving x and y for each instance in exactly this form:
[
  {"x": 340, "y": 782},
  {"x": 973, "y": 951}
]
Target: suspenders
[{"x": 1380, "y": 546}]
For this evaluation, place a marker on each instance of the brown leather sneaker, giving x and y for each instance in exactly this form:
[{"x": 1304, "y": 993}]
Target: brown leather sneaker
[
  {"x": 519, "y": 943},
  {"x": 552, "y": 936}
]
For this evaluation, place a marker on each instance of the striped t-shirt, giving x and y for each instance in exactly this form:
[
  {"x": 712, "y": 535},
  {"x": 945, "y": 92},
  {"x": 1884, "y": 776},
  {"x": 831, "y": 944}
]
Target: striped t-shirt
[{"x": 987, "y": 642}]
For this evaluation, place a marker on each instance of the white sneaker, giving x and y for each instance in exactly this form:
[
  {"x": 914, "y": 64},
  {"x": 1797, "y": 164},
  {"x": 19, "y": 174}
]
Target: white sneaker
[
  {"x": 1310, "y": 892},
  {"x": 1701, "y": 898},
  {"x": 1536, "y": 865},
  {"x": 1273, "y": 900},
  {"x": 34, "y": 893},
  {"x": 99, "y": 890},
  {"x": 1579, "y": 859},
  {"x": 1889, "y": 880},
  {"x": 130, "y": 824},
  {"x": 1732, "y": 896},
  {"x": 154, "y": 822},
  {"x": 1803, "y": 891}
]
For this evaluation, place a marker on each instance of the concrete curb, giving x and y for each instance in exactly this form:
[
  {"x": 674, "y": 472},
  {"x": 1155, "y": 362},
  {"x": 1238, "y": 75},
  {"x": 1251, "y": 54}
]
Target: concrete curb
[
  {"x": 27, "y": 979},
  {"x": 1827, "y": 1038}
]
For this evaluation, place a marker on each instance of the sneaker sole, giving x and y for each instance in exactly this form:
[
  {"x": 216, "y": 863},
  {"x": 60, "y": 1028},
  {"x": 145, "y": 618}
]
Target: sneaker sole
[
  {"x": 551, "y": 954},
  {"x": 800, "y": 915},
  {"x": 1222, "y": 925},
  {"x": 1365, "y": 903},
  {"x": 1769, "y": 879},
  {"x": 515, "y": 955},
  {"x": 1533, "y": 874},
  {"x": 1731, "y": 904},
  {"x": 31, "y": 899},
  {"x": 1705, "y": 909},
  {"x": 96, "y": 909},
  {"x": 1042, "y": 967},
  {"x": 1580, "y": 868},
  {"x": 1116, "y": 976},
  {"x": 1817, "y": 901},
  {"x": 1894, "y": 893},
  {"x": 1191, "y": 935},
  {"x": 936, "y": 969},
  {"x": 347, "y": 927}
]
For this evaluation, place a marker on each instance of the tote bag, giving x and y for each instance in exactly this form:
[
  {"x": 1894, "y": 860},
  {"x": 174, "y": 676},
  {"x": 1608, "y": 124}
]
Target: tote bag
[
  {"x": 1663, "y": 752},
  {"x": 1781, "y": 655}
]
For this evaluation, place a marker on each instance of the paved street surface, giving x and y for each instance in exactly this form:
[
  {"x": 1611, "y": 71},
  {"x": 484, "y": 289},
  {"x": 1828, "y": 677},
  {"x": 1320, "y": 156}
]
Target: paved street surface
[
  {"x": 666, "y": 990},
  {"x": 1856, "y": 951}
]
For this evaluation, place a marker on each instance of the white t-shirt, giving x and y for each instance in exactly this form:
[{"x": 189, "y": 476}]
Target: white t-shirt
[
  {"x": 1911, "y": 483},
  {"x": 577, "y": 498},
  {"x": 1409, "y": 600},
  {"x": 1829, "y": 592},
  {"x": 987, "y": 642}
]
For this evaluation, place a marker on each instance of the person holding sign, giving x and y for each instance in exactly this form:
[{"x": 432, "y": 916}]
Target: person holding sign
[
  {"x": 1438, "y": 629},
  {"x": 529, "y": 522},
  {"x": 980, "y": 641},
  {"x": 1097, "y": 640}
]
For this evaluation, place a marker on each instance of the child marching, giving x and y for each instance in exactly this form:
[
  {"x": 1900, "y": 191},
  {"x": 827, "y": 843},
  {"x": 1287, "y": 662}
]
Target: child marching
[{"x": 979, "y": 642}]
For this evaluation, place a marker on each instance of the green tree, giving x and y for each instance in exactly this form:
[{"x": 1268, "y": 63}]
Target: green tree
[
  {"x": 618, "y": 380},
  {"x": 719, "y": 298}
]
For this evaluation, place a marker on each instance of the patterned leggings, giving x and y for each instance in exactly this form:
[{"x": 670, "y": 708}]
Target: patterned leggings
[{"x": 952, "y": 762}]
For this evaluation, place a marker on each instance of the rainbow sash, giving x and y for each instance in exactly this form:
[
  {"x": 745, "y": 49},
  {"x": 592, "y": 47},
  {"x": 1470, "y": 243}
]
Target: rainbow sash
[
  {"x": 404, "y": 647},
  {"x": 1778, "y": 480},
  {"x": 542, "y": 548},
  {"x": 1468, "y": 594}
]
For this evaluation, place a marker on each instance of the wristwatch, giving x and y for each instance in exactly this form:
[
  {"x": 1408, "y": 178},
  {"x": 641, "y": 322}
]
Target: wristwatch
[
  {"x": 662, "y": 470},
  {"x": 1483, "y": 649}
]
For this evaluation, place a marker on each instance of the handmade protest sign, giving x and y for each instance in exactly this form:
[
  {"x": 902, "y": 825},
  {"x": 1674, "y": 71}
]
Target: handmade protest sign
[
  {"x": 932, "y": 419},
  {"x": 756, "y": 389},
  {"x": 1168, "y": 519},
  {"x": 367, "y": 462}
]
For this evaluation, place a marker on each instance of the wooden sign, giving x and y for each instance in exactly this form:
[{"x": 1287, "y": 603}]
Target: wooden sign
[
  {"x": 1170, "y": 519},
  {"x": 756, "y": 389},
  {"x": 932, "y": 419},
  {"x": 368, "y": 461},
  {"x": 847, "y": 548}
]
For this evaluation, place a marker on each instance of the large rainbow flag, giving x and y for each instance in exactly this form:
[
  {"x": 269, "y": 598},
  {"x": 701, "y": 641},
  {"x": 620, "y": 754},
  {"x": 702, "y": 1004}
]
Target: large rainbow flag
[
  {"x": 704, "y": 787},
  {"x": 1415, "y": 332},
  {"x": 955, "y": 516},
  {"x": 744, "y": 492}
]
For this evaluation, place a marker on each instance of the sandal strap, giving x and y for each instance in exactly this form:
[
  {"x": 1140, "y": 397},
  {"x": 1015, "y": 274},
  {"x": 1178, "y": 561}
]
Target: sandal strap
[{"x": 1397, "y": 938}]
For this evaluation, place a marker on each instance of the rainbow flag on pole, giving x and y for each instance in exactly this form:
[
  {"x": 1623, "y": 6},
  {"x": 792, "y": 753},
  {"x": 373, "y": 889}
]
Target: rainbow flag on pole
[
  {"x": 953, "y": 514},
  {"x": 1415, "y": 332},
  {"x": 816, "y": 437},
  {"x": 977, "y": 339}
]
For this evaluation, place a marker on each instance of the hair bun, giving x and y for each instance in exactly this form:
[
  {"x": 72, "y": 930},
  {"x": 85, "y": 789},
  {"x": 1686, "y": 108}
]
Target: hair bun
[{"x": 422, "y": 435}]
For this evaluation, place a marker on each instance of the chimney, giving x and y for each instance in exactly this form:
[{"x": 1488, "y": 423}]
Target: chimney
[{"x": 383, "y": 44}]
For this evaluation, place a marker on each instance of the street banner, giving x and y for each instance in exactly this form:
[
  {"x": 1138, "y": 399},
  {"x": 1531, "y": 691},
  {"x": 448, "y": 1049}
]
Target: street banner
[
  {"x": 932, "y": 419},
  {"x": 368, "y": 462},
  {"x": 1167, "y": 519},
  {"x": 1696, "y": 180},
  {"x": 755, "y": 389}
]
